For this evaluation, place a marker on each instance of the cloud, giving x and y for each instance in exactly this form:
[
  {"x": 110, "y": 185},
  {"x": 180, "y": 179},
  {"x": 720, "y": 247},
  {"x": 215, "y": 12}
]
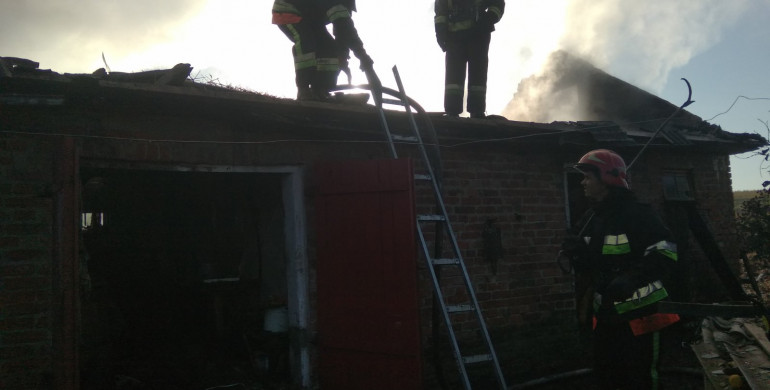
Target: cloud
[{"x": 62, "y": 32}]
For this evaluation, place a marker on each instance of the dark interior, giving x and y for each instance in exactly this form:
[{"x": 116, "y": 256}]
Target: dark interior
[{"x": 178, "y": 272}]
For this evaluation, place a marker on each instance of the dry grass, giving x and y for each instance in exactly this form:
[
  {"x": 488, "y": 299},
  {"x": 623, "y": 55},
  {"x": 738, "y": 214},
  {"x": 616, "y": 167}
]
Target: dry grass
[{"x": 209, "y": 80}]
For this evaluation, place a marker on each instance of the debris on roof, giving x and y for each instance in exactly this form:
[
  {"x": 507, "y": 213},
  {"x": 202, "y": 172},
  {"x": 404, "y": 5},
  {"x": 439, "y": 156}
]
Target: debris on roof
[
  {"x": 687, "y": 130},
  {"x": 174, "y": 76}
]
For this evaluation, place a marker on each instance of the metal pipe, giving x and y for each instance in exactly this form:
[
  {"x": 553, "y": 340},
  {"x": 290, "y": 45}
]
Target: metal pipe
[{"x": 552, "y": 378}]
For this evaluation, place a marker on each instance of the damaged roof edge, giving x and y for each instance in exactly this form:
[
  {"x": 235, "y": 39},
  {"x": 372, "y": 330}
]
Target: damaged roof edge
[{"x": 24, "y": 84}]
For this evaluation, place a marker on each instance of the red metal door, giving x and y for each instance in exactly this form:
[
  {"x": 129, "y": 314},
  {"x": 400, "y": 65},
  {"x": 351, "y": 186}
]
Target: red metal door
[{"x": 368, "y": 324}]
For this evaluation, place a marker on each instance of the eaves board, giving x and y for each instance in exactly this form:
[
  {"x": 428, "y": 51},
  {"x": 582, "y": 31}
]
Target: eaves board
[{"x": 495, "y": 133}]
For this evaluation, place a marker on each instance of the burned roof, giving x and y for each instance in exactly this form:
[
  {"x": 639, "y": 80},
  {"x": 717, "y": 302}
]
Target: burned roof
[{"x": 23, "y": 83}]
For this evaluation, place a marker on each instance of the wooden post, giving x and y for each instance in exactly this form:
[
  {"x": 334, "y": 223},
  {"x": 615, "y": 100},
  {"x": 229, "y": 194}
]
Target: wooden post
[{"x": 65, "y": 297}]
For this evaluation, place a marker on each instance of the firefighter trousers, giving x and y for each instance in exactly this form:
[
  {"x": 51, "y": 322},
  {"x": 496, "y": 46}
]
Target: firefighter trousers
[
  {"x": 624, "y": 361},
  {"x": 316, "y": 65},
  {"x": 466, "y": 51}
]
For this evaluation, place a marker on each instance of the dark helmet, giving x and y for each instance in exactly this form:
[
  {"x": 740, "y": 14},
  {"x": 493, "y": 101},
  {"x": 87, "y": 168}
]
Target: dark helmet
[{"x": 608, "y": 166}]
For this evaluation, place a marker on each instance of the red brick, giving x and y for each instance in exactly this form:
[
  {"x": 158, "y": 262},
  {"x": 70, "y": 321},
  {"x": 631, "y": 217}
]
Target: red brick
[
  {"x": 25, "y": 283},
  {"x": 27, "y": 202},
  {"x": 17, "y": 269},
  {"x": 24, "y": 308},
  {"x": 23, "y": 188},
  {"x": 9, "y": 242},
  {"x": 21, "y": 229},
  {"x": 26, "y": 337},
  {"x": 21, "y": 215},
  {"x": 24, "y": 255},
  {"x": 15, "y": 323},
  {"x": 13, "y": 297}
]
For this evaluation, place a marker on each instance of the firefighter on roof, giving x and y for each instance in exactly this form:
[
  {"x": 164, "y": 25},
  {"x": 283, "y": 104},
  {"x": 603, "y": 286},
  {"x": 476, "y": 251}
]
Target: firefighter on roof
[
  {"x": 463, "y": 30},
  {"x": 621, "y": 257},
  {"x": 319, "y": 57}
]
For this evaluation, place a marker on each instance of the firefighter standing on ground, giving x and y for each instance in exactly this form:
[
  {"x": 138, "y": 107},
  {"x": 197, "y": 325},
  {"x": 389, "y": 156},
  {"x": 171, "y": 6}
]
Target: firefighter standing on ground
[
  {"x": 319, "y": 57},
  {"x": 620, "y": 257},
  {"x": 463, "y": 30}
]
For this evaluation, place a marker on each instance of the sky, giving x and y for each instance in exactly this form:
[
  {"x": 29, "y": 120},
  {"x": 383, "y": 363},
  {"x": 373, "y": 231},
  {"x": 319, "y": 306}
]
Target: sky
[{"x": 721, "y": 47}]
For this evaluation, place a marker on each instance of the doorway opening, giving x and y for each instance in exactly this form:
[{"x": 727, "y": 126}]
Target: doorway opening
[{"x": 186, "y": 278}]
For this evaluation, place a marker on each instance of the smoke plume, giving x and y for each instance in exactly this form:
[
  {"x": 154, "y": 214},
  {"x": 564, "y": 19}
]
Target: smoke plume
[{"x": 639, "y": 42}]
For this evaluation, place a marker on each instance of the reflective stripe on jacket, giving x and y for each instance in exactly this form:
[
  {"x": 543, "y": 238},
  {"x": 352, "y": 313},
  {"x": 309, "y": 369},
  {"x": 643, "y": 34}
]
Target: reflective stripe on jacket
[
  {"x": 286, "y": 18},
  {"x": 337, "y": 12},
  {"x": 664, "y": 248},
  {"x": 616, "y": 245},
  {"x": 652, "y": 323},
  {"x": 643, "y": 297},
  {"x": 285, "y": 7}
]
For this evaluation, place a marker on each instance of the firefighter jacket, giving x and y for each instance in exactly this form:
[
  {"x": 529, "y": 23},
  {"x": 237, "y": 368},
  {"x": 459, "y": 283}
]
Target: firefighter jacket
[
  {"x": 454, "y": 16},
  {"x": 628, "y": 256},
  {"x": 337, "y": 12}
]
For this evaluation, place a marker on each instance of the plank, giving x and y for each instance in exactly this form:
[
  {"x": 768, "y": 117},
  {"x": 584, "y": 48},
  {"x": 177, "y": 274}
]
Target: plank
[
  {"x": 711, "y": 360},
  {"x": 759, "y": 334},
  {"x": 754, "y": 365}
]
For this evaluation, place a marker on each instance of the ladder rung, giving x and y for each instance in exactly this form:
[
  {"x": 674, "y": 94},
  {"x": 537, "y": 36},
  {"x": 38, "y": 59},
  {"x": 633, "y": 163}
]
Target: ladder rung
[
  {"x": 477, "y": 358},
  {"x": 422, "y": 177},
  {"x": 459, "y": 308},
  {"x": 404, "y": 138},
  {"x": 395, "y": 102},
  {"x": 425, "y": 217},
  {"x": 446, "y": 261}
]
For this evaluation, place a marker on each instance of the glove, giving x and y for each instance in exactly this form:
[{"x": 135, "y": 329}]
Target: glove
[
  {"x": 345, "y": 68},
  {"x": 441, "y": 44},
  {"x": 621, "y": 288},
  {"x": 371, "y": 77},
  {"x": 487, "y": 21},
  {"x": 575, "y": 249},
  {"x": 574, "y": 245},
  {"x": 366, "y": 61},
  {"x": 441, "y": 36}
]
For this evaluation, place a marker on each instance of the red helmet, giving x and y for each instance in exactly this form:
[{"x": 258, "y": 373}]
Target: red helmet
[{"x": 608, "y": 165}]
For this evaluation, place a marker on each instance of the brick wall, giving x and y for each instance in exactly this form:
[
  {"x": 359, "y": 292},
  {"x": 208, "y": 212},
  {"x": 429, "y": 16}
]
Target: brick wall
[
  {"x": 25, "y": 263},
  {"x": 712, "y": 192},
  {"x": 526, "y": 299}
]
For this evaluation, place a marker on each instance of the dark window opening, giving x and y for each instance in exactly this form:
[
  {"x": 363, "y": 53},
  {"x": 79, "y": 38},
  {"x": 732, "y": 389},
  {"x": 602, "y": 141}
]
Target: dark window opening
[
  {"x": 187, "y": 280},
  {"x": 577, "y": 203},
  {"x": 677, "y": 185},
  {"x": 91, "y": 220}
]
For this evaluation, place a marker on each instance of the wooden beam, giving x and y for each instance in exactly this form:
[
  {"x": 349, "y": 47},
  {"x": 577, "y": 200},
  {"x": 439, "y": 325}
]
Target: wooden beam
[{"x": 65, "y": 298}]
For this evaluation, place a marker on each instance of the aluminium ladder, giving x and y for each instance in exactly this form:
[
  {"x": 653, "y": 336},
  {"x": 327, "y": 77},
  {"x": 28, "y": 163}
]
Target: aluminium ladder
[{"x": 443, "y": 227}]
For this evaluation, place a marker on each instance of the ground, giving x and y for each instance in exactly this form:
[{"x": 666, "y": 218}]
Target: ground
[{"x": 680, "y": 369}]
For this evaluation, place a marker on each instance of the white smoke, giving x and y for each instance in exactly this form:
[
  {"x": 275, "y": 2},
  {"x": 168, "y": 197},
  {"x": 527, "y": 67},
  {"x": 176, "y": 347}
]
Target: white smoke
[{"x": 639, "y": 42}]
